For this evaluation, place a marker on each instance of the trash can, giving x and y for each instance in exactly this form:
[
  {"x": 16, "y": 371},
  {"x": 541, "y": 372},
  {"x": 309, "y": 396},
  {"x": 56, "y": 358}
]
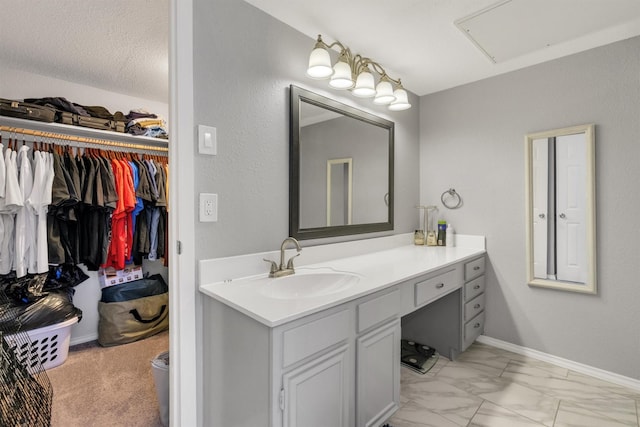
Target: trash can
[{"x": 160, "y": 368}]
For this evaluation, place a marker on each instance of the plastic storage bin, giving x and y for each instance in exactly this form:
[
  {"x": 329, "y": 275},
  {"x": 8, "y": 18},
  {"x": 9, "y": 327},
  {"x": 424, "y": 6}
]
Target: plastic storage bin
[
  {"x": 49, "y": 343},
  {"x": 160, "y": 367}
]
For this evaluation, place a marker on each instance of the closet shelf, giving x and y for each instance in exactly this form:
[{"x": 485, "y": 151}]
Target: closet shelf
[{"x": 83, "y": 132}]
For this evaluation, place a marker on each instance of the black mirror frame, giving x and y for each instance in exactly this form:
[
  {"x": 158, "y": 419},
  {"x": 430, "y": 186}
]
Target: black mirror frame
[{"x": 298, "y": 95}]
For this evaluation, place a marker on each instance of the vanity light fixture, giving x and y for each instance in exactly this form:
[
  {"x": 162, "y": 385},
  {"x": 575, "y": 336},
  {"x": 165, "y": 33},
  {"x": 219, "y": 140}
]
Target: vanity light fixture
[{"x": 354, "y": 72}]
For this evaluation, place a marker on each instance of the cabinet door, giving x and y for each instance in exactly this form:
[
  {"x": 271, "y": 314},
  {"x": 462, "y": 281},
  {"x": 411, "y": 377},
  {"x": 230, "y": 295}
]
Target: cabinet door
[
  {"x": 378, "y": 374},
  {"x": 317, "y": 393}
]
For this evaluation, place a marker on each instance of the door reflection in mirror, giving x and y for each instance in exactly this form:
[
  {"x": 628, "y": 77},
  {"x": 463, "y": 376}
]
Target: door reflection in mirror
[
  {"x": 561, "y": 209},
  {"x": 559, "y": 215},
  {"x": 339, "y": 191}
]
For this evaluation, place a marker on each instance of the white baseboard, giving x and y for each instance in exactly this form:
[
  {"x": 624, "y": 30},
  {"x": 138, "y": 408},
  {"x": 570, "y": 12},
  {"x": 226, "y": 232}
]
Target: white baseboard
[
  {"x": 611, "y": 377},
  {"x": 83, "y": 339}
]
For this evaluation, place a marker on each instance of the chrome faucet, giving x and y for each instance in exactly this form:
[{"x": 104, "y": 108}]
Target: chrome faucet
[{"x": 282, "y": 270}]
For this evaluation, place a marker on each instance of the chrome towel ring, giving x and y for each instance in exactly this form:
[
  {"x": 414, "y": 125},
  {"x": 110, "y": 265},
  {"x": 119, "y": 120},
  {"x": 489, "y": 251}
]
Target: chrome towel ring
[{"x": 450, "y": 199}]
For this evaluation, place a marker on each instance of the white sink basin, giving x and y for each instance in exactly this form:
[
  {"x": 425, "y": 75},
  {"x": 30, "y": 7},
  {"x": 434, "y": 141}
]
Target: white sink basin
[{"x": 308, "y": 284}]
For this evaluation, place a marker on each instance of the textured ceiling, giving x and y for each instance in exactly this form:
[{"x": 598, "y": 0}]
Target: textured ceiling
[
  {"x": 418, "y": 41},
  {"x": 116, "y": 45},
  {"x": 122, "y": 46}
]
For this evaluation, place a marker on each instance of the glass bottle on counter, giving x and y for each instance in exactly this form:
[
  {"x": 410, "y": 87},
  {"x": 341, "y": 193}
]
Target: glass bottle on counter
[{"x": 442, "y": 232}]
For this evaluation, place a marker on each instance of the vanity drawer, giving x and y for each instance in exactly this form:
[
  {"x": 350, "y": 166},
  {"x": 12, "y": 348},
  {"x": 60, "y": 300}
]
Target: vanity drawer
[
  {"x": 429, "y": 289},
  {"x": 474, "y": 288},
  {"x": 472, "y": 329},
  {"x": 378, "y": 310},
  {"x": 474, "y": 268},
  {"x": 473, "y": 307},
  {"x": 317, "y": 335}
]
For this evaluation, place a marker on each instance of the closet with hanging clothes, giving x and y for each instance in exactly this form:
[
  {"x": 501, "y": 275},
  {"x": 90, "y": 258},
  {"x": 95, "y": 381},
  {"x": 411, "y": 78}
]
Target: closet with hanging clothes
[
  {"x": 75, "y": 200},
  {"x": 74, "y": 207}
]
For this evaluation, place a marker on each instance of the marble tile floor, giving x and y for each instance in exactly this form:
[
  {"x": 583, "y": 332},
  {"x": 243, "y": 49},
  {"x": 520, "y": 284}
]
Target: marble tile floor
[{"x": 491, "y": 387}]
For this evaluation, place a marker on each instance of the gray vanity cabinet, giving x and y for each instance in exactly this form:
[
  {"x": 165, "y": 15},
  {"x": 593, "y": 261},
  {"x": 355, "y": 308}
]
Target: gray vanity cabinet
[
  {"x": 448, "y": 307},
  {"x": 339, "y": 367},
  {"x": 317, "y": 393},
  {"x": 297, "y": 374},
  {"x": 378, "y": 359},
  {"x": 473, "y": 300},
  {"x": 316, "y": 370}
]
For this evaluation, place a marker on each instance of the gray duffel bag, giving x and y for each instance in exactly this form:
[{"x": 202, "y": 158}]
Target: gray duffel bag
[{"x": 122, "y": 322}]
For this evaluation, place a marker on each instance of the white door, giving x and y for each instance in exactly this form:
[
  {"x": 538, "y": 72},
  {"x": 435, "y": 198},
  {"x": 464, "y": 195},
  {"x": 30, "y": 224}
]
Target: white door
[
  {"x": 540, "y": 178},
  {"x": 571, "y": 182},
  {"x": 378, "y": 375},
  {"x": 317, "y": 393}
]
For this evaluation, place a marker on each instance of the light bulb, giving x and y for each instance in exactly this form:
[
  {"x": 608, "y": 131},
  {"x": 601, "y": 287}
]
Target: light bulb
[
  {"x": 319, "y": 64},
  {"x": 384, "y": 93},
  {"x": 341, "y": 78},
  {"x": 365, "y": 85},
  {"x": 401, "y": 102}
]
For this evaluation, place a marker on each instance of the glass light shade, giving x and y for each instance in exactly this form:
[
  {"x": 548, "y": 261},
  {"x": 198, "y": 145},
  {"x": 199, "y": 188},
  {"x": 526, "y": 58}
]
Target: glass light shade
[
  {"x": 319, "y": 64},
  {"x": 365, "y": 85},
  {"x": 401, "y": 102},
  {"x": 384, "y": 93},
  {"x": 341, "y": 78}
]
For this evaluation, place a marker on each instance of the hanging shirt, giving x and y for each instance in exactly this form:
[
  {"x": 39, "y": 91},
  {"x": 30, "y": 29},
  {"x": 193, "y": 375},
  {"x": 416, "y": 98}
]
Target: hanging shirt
[
  {"x": 139, "y": 206},
  {"x": 38, "y": 201},
  {"x": 25, "y": 254},
  {"x": 130, "y": 202},
  {"x": 9, "y": 206},
  {"x": 154, "y": 213},
  {"x": 13, "y": 194},
  {"x": 2, "y": 172},
  {"x": 3, "y": 254}
]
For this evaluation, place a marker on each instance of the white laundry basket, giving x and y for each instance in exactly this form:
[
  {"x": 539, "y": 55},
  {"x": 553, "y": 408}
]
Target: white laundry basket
[{"x": 49, "y": 344}]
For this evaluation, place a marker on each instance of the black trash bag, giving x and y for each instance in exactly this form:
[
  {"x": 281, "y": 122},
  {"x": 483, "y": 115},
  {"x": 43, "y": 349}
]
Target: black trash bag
[
  {"x": 64, "y": 276},
  {"x": 149, "y": 286},
  {"x": 26, "y": 289},
  {"x": 53, "y": 308}
]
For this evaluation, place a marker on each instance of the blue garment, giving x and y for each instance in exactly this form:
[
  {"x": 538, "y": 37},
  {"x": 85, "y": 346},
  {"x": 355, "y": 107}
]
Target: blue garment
[
  {"x": 153, "y": 219},
  {"x": 155, "y": 131},
  {"x": 139, "y": 204}
]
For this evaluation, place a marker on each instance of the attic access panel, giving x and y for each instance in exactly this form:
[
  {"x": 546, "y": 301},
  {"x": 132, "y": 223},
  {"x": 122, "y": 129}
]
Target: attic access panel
[{"x": 512, "y": 28}]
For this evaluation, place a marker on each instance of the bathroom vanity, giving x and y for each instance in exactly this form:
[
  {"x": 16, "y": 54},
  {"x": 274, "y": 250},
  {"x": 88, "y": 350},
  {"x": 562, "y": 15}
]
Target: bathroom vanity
[{"x": 329, "y": 355}]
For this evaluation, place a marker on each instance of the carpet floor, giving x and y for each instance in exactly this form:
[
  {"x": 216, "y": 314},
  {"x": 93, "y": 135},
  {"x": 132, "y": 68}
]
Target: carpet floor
[{"x": 107, "y": 386}]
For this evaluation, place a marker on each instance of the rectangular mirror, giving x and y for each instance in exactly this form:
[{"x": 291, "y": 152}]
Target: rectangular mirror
[
  {"x": 340, "y": 168},
  {"x": 560, "y": 209}
]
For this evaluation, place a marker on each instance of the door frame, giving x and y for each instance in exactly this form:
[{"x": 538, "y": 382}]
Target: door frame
[{"x": 184, "y": 397}]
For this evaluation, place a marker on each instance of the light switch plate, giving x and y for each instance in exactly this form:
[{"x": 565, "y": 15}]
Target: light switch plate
[
  {"x": 208, "y": 207},
  {"x": 207, "y": 140}
]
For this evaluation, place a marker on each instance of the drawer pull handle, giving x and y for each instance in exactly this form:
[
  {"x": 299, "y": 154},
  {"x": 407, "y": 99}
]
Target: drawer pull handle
[
  {"x": 476, "y": 287},
  {"x": 476, "y": 268},
  {"x": 476, "y": 306},
  {"x": 476, "y": 326},
  {"x": 440, "y": 286}
]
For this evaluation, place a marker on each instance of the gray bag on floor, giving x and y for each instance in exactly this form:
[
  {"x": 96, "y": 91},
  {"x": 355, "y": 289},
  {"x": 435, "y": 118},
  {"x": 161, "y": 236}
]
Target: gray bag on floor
[{"x": 128, "y": 321}]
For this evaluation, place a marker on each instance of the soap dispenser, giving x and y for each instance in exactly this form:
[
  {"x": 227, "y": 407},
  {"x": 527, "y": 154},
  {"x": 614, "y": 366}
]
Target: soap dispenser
[{"x": 450, "y": 236}]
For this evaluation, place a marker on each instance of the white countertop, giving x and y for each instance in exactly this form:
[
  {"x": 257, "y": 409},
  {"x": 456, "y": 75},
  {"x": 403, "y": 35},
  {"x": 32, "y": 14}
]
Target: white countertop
[{"x": 378, "y": 270}]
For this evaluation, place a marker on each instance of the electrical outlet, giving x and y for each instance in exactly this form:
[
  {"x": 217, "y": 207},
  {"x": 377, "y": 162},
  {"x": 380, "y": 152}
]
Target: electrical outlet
[{"x": 208, "y": 207}]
